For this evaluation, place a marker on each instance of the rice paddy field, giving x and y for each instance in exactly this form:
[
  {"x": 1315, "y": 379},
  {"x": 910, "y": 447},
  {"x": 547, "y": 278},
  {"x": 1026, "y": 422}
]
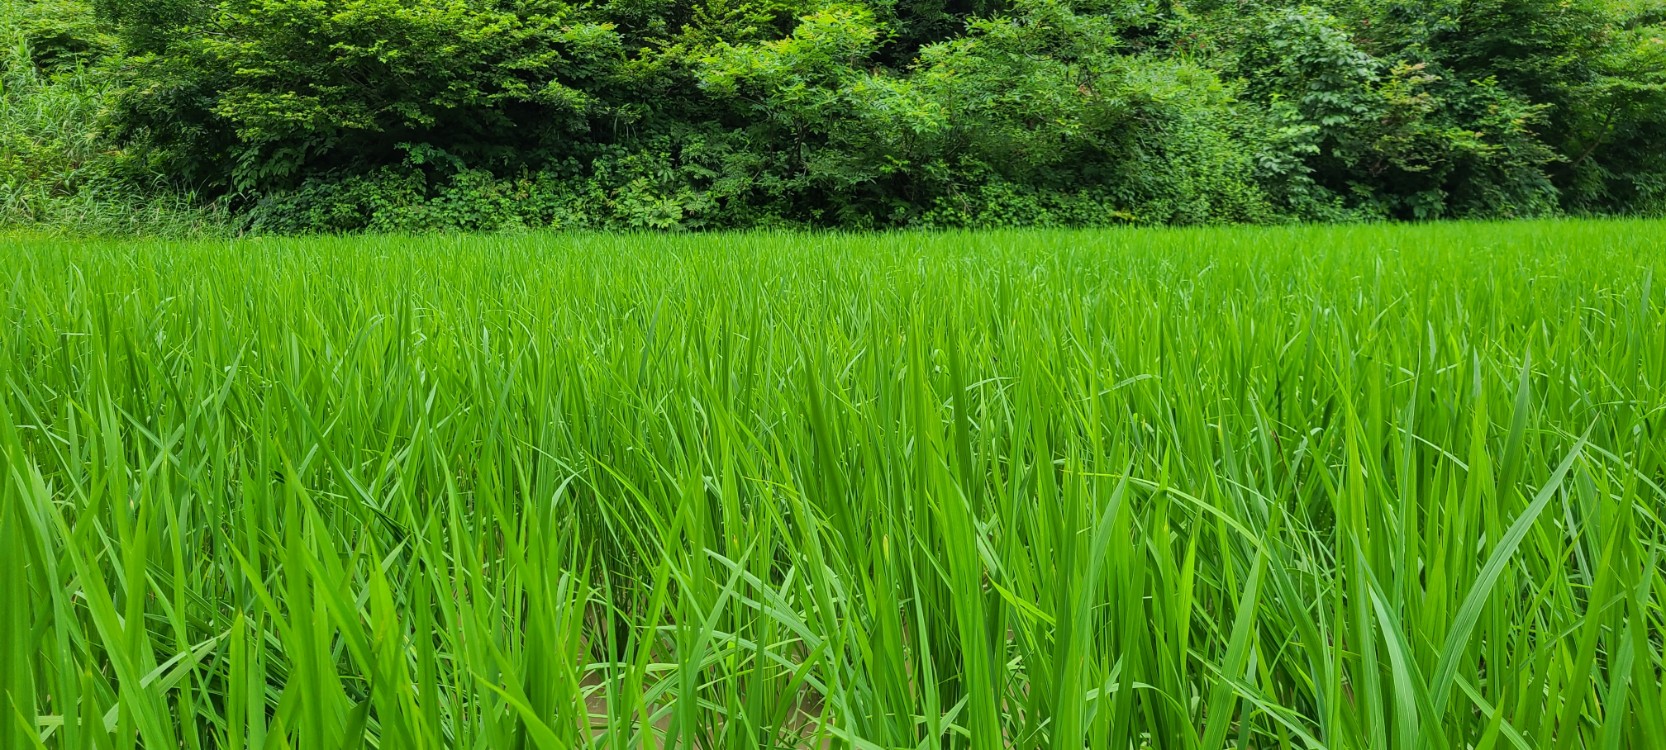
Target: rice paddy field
[{"x": 1389, "y": 487}]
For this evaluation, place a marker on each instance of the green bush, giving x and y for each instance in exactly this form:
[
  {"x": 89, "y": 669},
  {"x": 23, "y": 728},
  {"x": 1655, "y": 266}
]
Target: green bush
[
  {"x": 1367, "y": 135},
  {"x": 285, "y": 90},
  {"x": 495, "y": 115},
  {"x": 58, "y": 171},
  {"x": 1617, "y": 137},
  {"x": 60, "y": 35}
]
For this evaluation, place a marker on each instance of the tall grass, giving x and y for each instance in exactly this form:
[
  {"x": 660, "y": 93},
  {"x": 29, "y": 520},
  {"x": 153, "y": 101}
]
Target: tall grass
[
  {"x": 58, "y": 175},
  {"x": 1385, "y": 487}
]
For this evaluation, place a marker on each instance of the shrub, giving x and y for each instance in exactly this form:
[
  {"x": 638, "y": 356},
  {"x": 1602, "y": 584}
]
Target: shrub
[{"x": 58, "y": 173}]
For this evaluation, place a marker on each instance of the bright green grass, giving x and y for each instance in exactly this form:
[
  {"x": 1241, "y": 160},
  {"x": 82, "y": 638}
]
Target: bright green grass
[{"x": 1377, "y": 487}]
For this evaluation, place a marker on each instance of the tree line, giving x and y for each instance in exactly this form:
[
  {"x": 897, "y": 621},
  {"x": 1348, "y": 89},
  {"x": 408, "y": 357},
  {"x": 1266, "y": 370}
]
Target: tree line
[{"x": 409, "y": 115}]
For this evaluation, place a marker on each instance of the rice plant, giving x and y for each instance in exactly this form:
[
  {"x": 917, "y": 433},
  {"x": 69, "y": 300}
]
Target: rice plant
[{"x": 1353, "y": 487}]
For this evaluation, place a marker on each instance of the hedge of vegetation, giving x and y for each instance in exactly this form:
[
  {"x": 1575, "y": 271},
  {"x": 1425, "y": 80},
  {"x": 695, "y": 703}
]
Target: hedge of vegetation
[{"x": 342, "y": 115}]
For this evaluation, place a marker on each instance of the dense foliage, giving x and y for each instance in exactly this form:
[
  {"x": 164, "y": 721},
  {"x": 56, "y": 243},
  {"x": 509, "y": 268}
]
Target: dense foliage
[
  {"x": 57, "y": 172},
  {"x": 1339, "y": 488},
  {"x": 412, "y": 114}
]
